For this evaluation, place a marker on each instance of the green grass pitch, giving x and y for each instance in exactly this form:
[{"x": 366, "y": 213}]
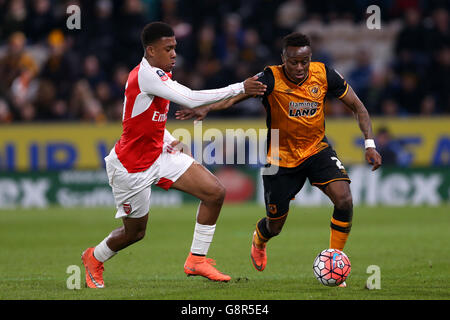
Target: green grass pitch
[{"x": 410, "y": 245}]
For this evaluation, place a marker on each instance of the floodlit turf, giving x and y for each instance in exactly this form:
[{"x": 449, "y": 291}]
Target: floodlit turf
[{"x": 410, "y": 245}]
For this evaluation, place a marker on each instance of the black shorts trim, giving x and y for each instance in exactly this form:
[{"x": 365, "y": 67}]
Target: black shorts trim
[{"x": 329, "y": 181}]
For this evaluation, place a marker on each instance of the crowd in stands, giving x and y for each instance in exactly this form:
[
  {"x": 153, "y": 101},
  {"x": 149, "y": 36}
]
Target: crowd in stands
[{"x": 51, "y": 73}]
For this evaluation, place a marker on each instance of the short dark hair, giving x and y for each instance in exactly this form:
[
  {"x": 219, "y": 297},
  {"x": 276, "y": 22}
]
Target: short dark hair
[
  {"x": 154, "y": 31},
  {"x": 296, "y": 39}
]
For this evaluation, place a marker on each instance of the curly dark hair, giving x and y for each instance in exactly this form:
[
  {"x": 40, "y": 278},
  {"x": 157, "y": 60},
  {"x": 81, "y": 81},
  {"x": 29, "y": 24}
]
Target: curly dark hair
[
  {"x": 296, "y": 39},
  {"x": 154, "y": 31}
]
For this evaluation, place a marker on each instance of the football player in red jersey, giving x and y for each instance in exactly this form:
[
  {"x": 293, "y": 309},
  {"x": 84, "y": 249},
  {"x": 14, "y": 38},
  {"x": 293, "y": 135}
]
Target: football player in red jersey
[{"x": 146, "y": 154}]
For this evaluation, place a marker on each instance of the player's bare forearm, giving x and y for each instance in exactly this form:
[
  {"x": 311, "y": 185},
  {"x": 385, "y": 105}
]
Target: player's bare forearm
[
  {"x": 364, "y": 122},
  {"x": 225, "y": 104},
  {"x": 234, "y": 100},
  {"x": 352, "y": 101},
  {"x": 200, "y": 113}
]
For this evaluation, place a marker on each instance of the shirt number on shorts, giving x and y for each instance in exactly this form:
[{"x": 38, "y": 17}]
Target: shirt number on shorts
[{"x": 338, "y": 163}]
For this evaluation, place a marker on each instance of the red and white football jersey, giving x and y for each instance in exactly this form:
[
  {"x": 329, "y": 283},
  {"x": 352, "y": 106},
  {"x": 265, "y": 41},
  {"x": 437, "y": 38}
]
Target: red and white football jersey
[{"x": 148, "y": 93}]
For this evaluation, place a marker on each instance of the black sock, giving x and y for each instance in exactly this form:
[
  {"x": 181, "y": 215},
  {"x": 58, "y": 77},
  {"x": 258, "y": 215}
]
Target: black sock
[{"x": 262, "y": 229}]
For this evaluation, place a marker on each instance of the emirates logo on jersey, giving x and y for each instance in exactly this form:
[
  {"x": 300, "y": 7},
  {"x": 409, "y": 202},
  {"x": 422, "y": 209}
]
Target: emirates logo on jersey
[{"x": 159, "y": 117}]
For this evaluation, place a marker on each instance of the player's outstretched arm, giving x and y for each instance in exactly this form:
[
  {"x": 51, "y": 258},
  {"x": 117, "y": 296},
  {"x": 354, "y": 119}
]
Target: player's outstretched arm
[
  {"x": 200, "y": 113},
  {"x": 155, "y": 82},
  {"x": 352, "y": 101},
  {"x": 253, "y": 87}
]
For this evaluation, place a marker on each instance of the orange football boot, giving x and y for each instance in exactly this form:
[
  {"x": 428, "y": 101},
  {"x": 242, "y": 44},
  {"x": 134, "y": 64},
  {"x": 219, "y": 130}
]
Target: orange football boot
[
  {"x": 258, "y": 256},
  {"x": 94, "y": 269},
  {"x": 202, "y": 266}
]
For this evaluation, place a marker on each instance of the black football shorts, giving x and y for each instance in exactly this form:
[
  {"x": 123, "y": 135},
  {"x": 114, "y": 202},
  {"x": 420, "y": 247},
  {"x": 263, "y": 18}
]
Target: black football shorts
[{"x": 280, "y": 188}]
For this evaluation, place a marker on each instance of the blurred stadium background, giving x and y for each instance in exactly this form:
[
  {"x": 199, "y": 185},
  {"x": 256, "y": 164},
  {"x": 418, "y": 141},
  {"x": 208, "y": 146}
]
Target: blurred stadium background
[
  {"x": 61, "y": 95},
  {"x": 61, "y": 90}
]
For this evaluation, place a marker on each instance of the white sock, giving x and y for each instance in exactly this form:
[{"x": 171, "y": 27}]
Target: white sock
[
  {"x": 102, "y": 252},
  {"x": 203, "y": 235}
]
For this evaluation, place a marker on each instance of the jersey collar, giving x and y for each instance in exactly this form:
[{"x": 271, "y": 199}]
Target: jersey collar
[
  {"x": 146, "y": 63},
  {"x": 293, "y": 82}
]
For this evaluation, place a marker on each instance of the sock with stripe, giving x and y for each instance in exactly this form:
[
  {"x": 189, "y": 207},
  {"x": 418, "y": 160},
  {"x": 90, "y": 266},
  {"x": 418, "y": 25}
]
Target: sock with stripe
[
  {"x": 262, "y": 233},
  {"x": 340, "y": 226}
]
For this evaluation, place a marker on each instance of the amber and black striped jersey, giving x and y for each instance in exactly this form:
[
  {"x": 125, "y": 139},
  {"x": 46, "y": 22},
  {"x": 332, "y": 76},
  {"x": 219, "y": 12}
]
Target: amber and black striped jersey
[{"x": 297, "y": 111}]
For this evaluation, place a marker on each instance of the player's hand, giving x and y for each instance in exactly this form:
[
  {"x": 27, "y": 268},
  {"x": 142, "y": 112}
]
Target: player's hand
[
  {"x": 178, "y": 146},
  {"x": 254, "y": 87},
  {"x": 373, "y": 158},
  {"x": 198, "y": 113}
]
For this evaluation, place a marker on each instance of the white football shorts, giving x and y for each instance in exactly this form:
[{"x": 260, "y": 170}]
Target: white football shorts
[{"x": 132, "y": 191}]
